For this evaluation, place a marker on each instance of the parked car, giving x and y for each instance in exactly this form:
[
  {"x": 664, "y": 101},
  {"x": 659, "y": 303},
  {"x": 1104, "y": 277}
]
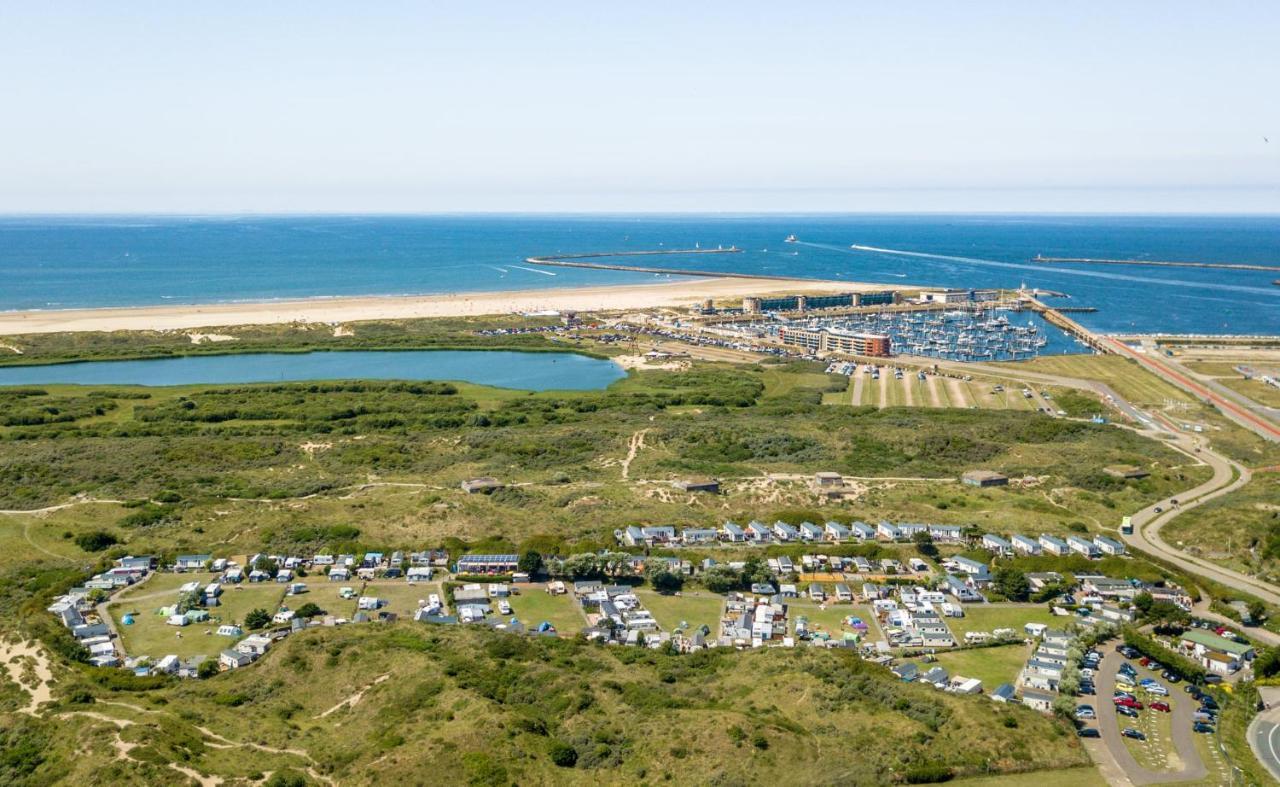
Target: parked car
[
  {"x": 1202, "y": 727},
  {"x": 1163, "y": 707},
  {"x": 1085, "y": 712},
  {"x": 1089, "y": 732},
  {"x": 1130, "y": 732},
  {"x": 1123, "y": 695},
  {"x": 1192, "y": 689},
  {"x": 1212, "y": 679},
  {"x": 1125, "y": 710},
  {"x": 1125, "y": 702},
  {"x": 1172, "y": 677},
  {"x": 1208, "y": 702},
  {"x": 1157, "y": 689},
  {"x": 1144, "y": 661},
  {"x": 1086, "y": 673}
]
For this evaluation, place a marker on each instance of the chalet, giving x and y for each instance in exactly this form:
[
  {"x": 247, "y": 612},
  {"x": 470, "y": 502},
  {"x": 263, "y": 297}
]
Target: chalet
[
  {"x": 959, "y": 589},
  {"x": 1004, "y": 693},
  {"x": 785, "y": 532},
  {"x": 339, "y": 574},
  {"x": 946, "y": 533},
  {"x": 973, "y": 568},
  {"x": 698, "y": 535},
  {"x": 843, "y": 593},
  {"x": 1024, "y": 545},
  {"x": 759, "y": 533},
  {"x": 861, "y": 564},
  {"x": 1108, "y": 545},
  {"x": 835, "y": 532},
  {"x": 862, "y": 531},
  {"x": 1106, "y": 587},
  {"x": 786, "y": 565},
  {"x": 733, "y": 533},
  {"x": 888, "y": 531},
  {"x": 827, "y": 480},
  {"x": 1083, "y": 546},
  {"x": 141, "y": 564},
  {"x": 816, "y": 592},
  {"x": 1054, "y": 545},
  {"x": 418, "y": 574},
  {"x": 234, "y": 659},
  {"x": 254, "y": 645},
  {"x": 810, "y": 532},
  {"x": 996, "y": 544},
  {"x": 908, "y": 530},
  {"x": 191, "y": 562},
  {"x": 1038, "y": 700}
]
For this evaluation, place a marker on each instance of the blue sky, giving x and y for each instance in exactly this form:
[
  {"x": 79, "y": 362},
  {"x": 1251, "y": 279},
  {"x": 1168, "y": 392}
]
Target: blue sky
[{"x": 575, "y": 106}]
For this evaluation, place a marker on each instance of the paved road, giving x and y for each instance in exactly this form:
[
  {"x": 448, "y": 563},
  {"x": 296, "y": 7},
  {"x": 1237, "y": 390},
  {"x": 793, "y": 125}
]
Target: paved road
[
  {"x": 1110, "y": 723},
  {"x": 1228, "y": 407},
  {"x": 1264, "y": 732}
]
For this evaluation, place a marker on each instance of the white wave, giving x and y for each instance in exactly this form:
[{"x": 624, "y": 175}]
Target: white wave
[{"x": 533, "y": 270}]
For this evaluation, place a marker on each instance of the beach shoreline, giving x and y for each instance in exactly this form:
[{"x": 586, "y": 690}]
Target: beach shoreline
[{"x": 402, "y": 307}]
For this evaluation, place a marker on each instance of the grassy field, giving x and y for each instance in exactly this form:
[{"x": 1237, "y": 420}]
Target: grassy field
[
  {"x": 400, "y": 597},
  {"x": 534, "y": 605},
  {"x": 1240, "y": 530},
  {"x": 1128, "y": 379},
  {"x": 1073, "y": 777},
  {"x": 992, "y": 666},
  {"x": 831, "y": 620},
  {"x": 150, "y": 635},
  {"x": 1256, "y": 390},
  {"x": 697, "y": 608},
  {"x": 988, "y": 617}
]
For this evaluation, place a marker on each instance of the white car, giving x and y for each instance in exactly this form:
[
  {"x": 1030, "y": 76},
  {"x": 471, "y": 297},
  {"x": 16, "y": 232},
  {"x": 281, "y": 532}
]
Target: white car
[
  {"x": 1158, "y": 690},
  {"x": 1086, "y": 673}
]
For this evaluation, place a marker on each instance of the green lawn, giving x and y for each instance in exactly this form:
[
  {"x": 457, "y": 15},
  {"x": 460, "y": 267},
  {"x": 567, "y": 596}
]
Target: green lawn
[
  {"x": 986, "y": 617},
  {"x": 151, "y": 636},
  {"x": 401, "y": 597},
  {"x": 534, "y": 605},
  {"x": 992, "y": 666},
  {"x": 694, "y": 608},
  {"x": 831, "y": 619}
]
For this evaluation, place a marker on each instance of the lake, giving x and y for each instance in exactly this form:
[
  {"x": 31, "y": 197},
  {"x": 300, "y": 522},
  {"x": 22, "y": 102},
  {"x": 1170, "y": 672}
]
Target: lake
[{"x": 503, "y": 369}]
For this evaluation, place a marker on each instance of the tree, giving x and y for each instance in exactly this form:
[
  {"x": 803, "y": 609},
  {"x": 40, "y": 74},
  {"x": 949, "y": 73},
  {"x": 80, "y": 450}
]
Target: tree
[
  {"x": 1257, "y": 611},
  {"x": 1143, "y": 601},
  {"x": 1064, "y": 707},
  {"x": 257, "y": 618},
  {"x": 924, "y": 544},
  {"x": 308, "y": 610},
  {"x": 1267, "y": 664},
  {"x": 721, "y": 579},
  {"x": 665, "y": 581},
  {"x": 530, "y": 562},
  {"x": 96, "y": 540},
  {"x": 207, "y": 669},
  {"x": 755, "y": 571},
  {"x": 1012, "y": 584}
]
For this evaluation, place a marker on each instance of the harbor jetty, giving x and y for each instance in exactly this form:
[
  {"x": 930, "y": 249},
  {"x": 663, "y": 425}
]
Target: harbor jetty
[{"x": 1238, "y": 266}]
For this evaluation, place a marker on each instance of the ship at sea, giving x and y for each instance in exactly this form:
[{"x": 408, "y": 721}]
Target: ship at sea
[{"x": 791, "y": 239}]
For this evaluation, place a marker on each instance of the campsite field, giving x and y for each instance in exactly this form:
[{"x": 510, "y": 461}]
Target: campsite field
[
  {"x": 992, "y": 666},
  {"x": 696, "y": 608},
  {"x": 986, "y": 617},
  {"x": 150, "y": 635},
  {"x": 534, "y": 605},
  {"x": 831, "y": 619}
]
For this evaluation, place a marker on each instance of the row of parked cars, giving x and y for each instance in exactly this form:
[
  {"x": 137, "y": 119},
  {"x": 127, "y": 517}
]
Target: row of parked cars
[{"x": 1126, "y": 701}]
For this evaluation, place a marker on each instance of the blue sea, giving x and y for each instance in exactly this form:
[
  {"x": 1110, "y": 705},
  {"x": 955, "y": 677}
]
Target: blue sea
[{"x": 73, "y": 262}]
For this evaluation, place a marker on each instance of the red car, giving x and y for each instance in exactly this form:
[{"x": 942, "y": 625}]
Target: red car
[
  {"x": 1160, "y": 706},
  {"x": 1128, "y": 703},
  {"x": 1144, "y": 661}
]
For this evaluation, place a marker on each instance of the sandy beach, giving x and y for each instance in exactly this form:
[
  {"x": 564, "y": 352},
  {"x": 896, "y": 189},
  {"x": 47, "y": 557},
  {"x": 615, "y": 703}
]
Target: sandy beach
[{"x": 341, "y": 310}]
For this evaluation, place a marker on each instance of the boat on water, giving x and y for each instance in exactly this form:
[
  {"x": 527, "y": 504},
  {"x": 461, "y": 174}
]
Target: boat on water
[{"x": 791, "y": 239}]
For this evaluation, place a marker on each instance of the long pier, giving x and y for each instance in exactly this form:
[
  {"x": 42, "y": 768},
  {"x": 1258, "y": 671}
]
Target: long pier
[
  {"x": 1237, "y": 266},
  {"x": 580, "y": 261}
]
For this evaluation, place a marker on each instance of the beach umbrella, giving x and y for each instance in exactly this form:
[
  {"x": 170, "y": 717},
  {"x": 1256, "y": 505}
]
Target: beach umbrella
[{"x": 127, "y": 620}]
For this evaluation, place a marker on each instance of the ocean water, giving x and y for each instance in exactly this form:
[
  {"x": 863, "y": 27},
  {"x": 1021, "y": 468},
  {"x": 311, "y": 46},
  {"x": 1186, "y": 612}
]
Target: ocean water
[
  {"x": 71, "y": 262},
  {"x": 522, "y": 370}
]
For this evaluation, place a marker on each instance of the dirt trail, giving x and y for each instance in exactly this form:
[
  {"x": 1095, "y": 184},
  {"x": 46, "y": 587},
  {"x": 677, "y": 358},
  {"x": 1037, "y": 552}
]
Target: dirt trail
[
  {"x": 908, "y": 391},
  {"x": 16, "y": 657},
  {"x": 958, "y": 397},
  {"x": 858, "y": 380},
  {"x": 633, "y": 447},
  {"x": 884, "y": 391},
  {"x": 354, "y": 699}
]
